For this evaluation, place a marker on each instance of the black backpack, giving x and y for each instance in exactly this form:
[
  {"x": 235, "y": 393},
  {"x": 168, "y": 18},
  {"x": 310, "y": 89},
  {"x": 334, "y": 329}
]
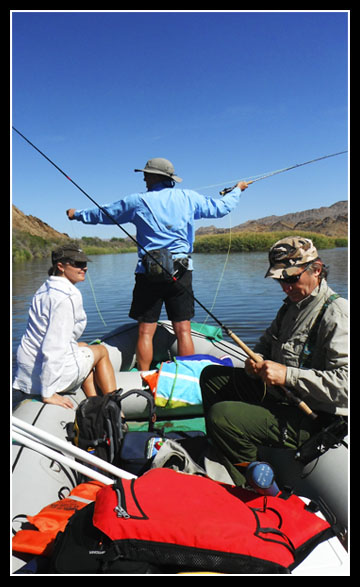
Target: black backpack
[{"x": 98, "y": 426}]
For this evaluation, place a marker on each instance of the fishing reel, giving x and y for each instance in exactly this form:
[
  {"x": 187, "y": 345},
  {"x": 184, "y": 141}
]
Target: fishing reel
[
  {"x": 226, "y": 190},
  {"x": 329, "y": 437}
]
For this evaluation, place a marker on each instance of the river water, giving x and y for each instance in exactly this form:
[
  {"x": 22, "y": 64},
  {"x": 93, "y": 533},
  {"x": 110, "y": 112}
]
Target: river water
[{"x": 233, "y": 288}]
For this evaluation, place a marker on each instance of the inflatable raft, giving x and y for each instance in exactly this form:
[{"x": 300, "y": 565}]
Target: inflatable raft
[{"x": 40, "y": 479}]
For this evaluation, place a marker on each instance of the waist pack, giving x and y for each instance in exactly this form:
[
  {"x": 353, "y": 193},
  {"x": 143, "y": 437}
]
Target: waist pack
[
  {"x": 159, "y": 265},
  {"x": 186, "y": 522},
  {"x": 99, "y": 427}
]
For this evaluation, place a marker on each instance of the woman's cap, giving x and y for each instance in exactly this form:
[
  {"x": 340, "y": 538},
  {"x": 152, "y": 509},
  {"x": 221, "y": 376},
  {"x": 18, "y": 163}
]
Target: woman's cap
[{"x": 71, "y": 252}]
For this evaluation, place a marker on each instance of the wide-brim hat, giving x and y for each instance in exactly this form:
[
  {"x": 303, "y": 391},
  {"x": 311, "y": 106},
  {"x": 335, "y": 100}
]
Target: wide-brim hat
[
  {"x": 288, "y": 254},
  {"x": 71, "y": 252},
  {"x": 160, "y": 166}
]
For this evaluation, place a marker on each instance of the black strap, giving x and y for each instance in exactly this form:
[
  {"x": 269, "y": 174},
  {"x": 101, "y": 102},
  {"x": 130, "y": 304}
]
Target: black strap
[
  {"x": 276, "y": 531},
  {"x": 151, "y": 403}
]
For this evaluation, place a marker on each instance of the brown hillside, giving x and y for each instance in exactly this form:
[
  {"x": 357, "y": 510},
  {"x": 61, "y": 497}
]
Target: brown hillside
[
  {"x": 34, "y": 226},
  {"x": 330, "y": 221}
]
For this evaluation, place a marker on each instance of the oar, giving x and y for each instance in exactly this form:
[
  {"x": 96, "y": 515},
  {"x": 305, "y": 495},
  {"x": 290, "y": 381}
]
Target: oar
[
  {"x": 52, "y": 454},
  {"x": 290, "y": 395},
  {"x": 38, "y": 436}
]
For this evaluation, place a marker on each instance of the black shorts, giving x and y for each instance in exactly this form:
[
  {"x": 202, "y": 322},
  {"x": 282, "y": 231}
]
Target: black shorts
[{"x": 149, "y": 297}]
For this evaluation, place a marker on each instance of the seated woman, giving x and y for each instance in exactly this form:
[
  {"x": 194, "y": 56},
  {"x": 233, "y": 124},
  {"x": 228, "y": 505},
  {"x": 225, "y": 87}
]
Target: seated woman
[{"x": 49, "y": 358}]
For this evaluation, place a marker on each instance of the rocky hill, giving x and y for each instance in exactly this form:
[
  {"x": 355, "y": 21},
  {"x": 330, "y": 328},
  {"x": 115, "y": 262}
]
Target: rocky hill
[
  {"x": 327, "y": 220},
  {"x": 33, "y": 238},
  {"x": 34, "y": 226}
]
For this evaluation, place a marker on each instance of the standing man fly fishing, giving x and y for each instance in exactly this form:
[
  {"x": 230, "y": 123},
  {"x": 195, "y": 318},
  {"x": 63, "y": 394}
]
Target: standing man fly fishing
[{"x": 164, "y": 218}]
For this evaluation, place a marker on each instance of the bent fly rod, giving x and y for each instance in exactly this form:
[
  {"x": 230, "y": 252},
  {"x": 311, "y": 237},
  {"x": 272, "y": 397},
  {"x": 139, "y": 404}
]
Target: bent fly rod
[
  {"x": 227, "y": 190},
  {"x": 290, "y": 395}
]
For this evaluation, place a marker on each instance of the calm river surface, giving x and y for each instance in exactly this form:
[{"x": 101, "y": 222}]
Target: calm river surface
[{"x": 245, "y": 301}]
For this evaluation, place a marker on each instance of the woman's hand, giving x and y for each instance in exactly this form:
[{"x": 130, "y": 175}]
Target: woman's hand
[{"x": 59, "y": 400}]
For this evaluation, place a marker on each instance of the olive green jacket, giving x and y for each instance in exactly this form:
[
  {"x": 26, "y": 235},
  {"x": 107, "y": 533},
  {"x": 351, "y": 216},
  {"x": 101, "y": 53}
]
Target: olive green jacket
[{"x": 323, "y": 386}]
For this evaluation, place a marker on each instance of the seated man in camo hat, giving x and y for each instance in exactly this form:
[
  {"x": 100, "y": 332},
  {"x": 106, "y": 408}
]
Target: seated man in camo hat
[
  {"x": 289, "y": 253},
  {"x": 304, "y": 349}
]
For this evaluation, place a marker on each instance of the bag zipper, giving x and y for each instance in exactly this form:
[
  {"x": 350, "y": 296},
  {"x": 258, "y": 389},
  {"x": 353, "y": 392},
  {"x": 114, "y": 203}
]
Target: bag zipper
[{"x": 119, "y": 510}]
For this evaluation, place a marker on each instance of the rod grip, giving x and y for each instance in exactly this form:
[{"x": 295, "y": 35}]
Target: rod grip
[
  {"x": 244, "y": 347},
  {"x": 227, "y": 190},
  {"x": 291, "y": 396}
]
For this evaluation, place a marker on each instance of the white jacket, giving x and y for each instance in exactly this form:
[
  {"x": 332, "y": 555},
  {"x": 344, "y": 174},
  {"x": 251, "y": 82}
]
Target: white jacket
[{"x": 48, "y": 357}]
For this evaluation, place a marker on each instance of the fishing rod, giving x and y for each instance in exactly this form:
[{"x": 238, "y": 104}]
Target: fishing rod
[
  {"x": 227, "y": 190},
  {"x": 291, "y": 397},
  {"x": 80, "y": 188},
  {"x": 227, "y": 330}
]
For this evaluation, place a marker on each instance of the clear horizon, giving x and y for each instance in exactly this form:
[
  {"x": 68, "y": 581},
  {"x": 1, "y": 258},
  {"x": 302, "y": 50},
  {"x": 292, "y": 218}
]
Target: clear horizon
[{"x": 225, "y": 95}]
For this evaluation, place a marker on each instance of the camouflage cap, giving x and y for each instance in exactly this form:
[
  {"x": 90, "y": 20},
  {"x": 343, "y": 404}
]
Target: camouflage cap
[{"x": 288, "y": 254}]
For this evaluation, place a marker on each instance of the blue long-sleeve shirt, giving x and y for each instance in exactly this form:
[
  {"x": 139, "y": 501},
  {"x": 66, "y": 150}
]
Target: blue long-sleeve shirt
[{"x": 164, "y": 217}]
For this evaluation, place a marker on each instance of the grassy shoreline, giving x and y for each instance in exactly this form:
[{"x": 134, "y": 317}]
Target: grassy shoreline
[
  {"x": 26, "y": 247},
  {"x": 260, "y": 241}
]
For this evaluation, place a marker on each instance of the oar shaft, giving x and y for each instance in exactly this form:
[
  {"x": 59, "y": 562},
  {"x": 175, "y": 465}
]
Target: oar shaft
[
  {"x": 52, "y": 454},
  {"x": 38, "y": 434}
]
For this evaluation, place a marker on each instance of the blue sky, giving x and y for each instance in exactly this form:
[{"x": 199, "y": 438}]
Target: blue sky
[{"x": 223, "y": 95}]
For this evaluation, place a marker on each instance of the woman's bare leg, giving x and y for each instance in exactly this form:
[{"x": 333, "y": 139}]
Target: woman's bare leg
[{"x": 102, "y": 374}]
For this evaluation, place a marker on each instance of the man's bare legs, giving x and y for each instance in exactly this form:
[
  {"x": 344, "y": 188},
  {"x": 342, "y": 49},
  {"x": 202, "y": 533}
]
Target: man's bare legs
[
  {"x": 184, "y": 338},
  {"x": 144, "y": 347}
]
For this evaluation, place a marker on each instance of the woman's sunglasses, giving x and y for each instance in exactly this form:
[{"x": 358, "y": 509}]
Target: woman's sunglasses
[{"x": 78, "y": 264}]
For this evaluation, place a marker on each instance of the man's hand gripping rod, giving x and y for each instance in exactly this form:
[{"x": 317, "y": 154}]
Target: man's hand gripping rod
[{"x": 290, "y": 396}]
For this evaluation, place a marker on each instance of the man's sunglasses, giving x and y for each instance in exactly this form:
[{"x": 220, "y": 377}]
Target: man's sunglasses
[{"x": 291, "y": 279}]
